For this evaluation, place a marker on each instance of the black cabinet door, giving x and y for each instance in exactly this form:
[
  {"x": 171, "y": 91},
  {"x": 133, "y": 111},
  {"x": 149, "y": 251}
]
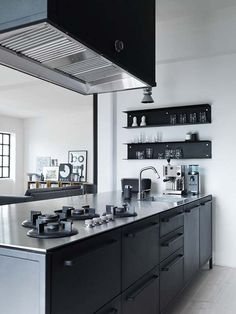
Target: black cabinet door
[
  {"x": 99, "y": 24},
  {"x": 191, "y": 242},
  {"x": 205, "y": 232},
  {"x": 143, "y": 296},
  {"x": 87, "y": 275},
  {"x": 171, "y": 278},
  {"x": 113, "y": 307},
  {"x": 140, "y": 250}
]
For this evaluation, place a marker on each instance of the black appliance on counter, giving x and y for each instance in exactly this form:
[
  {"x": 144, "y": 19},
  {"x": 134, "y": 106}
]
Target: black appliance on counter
[
  {"x": 120, "y": 212},
  {"x": 86, "y": 46},
  {"x": 146, "y": 184}
]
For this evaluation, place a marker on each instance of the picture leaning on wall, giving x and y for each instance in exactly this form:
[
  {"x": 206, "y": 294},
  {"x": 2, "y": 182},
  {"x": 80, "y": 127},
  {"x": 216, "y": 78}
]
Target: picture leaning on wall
[{"x": 78, "y": 160}]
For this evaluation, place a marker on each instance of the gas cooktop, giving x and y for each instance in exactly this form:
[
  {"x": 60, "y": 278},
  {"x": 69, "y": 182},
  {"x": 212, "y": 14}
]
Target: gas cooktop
[
  {"x": 49, "y": 225},
  {"x": 60, "y": 223}
]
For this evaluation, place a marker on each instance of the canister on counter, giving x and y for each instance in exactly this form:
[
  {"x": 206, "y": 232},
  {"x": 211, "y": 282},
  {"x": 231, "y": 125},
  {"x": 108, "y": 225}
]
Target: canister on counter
[{"x": 127, "y": 192}]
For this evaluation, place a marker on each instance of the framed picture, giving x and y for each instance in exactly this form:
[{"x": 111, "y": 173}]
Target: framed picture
[
  {"x": 42, "y": 162},
  {"x": 65, "y": 171},
  {"x": 78, "y": 160},
  {"x": 50, "y": 173}
]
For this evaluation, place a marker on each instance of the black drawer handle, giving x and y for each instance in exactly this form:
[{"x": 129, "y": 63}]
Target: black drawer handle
[
  {"x": 134, "y": 295},
  {"x": 172, "y": 263},
  {"x": 75, "y": 261},
  {"x": 133, "y": 234},
  {"x": 172, "y": 240},
  {"x": 190, "y": 209},
  {"x": 168, "y": 219},
  {"x": 204, "y": 203}
]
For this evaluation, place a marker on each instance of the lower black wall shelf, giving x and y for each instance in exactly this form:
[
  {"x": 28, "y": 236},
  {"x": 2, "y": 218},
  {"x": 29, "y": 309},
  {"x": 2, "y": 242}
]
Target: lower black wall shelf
[{"x": 173, "y": 150}]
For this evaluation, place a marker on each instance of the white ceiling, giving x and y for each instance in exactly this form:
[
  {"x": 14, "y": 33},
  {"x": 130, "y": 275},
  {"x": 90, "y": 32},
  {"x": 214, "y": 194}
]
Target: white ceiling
[
  {"x": 169, "y": 9},
  {"x": 24, "y": 96}
]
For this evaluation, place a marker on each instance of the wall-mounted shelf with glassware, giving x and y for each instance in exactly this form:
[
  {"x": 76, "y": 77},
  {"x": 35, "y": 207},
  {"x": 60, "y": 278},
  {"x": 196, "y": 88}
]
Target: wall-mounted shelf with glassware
[
  {"x": 173, "y": 150},
  {"x": 169, "y": 116}
]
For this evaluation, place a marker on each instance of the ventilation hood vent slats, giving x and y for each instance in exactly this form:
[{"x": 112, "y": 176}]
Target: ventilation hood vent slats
[
  {"x": 55, "y": 50},
  {"x": 85, "y": 66}
]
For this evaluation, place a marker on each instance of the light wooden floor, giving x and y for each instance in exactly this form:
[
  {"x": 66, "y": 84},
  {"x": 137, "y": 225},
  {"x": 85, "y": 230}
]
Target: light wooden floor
[{"x": 212, "y": 292}]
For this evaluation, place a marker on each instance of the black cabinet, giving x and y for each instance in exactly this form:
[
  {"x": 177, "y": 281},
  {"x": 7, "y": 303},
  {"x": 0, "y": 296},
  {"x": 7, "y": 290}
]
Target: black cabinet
[
  {"x": 140, "y": 249},
  {"x": 136, "y": 269},
  {"x": 191, "y": 241},
  {"x": 122, "y": 30},
  {"x": 205, "y": 232},
  {"x": 113, "y": 307},
  {"x": 143, "y": 296},
  {"x": 171, "y": 278},
  {"x": 86, "y": 275}
]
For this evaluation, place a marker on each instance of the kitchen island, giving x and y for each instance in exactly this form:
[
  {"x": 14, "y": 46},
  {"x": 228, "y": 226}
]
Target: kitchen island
[{"x": 129, "y": 265}]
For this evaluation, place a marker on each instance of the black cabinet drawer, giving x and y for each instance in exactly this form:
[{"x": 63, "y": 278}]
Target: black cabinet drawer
[
  {"x": 140, "y": 250},
  {"x": 143, "y": 296},
  {"x": 171, "y": 278},
  {"x": 86, "y": 275},
  {"x": 171, "y": 220},
  {"x": 171, "y": 243},
  {"x": 113, "y": 307}
]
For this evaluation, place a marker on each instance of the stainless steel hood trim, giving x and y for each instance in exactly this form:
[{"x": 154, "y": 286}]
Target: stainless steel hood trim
[
  {"x": 12, "y": 60},
  {"x": 60, "y": 59}
]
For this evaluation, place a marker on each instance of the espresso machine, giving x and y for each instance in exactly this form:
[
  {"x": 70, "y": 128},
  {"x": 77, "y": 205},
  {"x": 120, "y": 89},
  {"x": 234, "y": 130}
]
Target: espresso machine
[
  {"x": 174, "y": 179},
  {"x": 193, "y": 179}
]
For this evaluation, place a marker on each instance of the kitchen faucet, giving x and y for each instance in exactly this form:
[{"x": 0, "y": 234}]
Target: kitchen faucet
[{"x": 140, "y": 192}]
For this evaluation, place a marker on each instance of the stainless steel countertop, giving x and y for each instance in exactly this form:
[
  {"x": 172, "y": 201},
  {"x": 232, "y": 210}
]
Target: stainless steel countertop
[{"x": 13, "y": 235}]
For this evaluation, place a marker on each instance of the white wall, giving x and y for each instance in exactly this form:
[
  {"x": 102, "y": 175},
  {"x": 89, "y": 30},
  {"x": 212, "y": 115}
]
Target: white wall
[
  {"x": 196, "y": 63},
  {"x": 54, "y": 135},
  {"x": 14, "y": 185}
]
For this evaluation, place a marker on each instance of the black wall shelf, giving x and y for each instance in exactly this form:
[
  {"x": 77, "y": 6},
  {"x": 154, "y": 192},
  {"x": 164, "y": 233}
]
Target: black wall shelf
[
  {"x": 173, "y": 150},
  {"x": 171, "y": 116}
]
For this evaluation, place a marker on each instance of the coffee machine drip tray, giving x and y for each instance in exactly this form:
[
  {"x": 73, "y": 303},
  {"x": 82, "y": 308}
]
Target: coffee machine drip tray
[{"x": 173, "y": 192}]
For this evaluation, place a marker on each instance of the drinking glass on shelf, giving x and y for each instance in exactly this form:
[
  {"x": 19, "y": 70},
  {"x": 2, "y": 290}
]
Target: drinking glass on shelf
[
  {"x": 182, "y": 118},
  {"x": 149, "y": 152},
  {"x": 160, "y": 155},
  {"x": 158, "y": 137},
  {"x": 142, "y": 137},
  {"x": 202, "y": 117},
  {"x": 193, "y": 118},
  {"x": 135, "y": 139},
  {"x": 173, "y": 119},
  {"x": 167, "y": 153},
  {"x": 178, "y": 153},
  {"x": 140, "y": 155}
]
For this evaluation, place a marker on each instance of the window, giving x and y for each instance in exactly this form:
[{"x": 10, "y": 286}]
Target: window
[{"x": 5, "y": 142}]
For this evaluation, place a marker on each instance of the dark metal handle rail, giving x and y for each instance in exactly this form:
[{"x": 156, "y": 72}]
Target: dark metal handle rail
[
  {"x": 172, "y": 240},
  {"x": 134, "y": 295},
  {"x": 172, "y": 263},
  {"x": 133, "y": 234},
  {"x": 169, "y": 218}
]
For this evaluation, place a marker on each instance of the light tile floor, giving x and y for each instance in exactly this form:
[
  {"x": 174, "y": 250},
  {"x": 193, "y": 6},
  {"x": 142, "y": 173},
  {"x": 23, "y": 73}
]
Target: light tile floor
[{"x": 211, "y": 292}]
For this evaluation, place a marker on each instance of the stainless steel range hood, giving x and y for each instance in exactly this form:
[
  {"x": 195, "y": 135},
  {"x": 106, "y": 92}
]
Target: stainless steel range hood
[{"x": 54, "y": 54}]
